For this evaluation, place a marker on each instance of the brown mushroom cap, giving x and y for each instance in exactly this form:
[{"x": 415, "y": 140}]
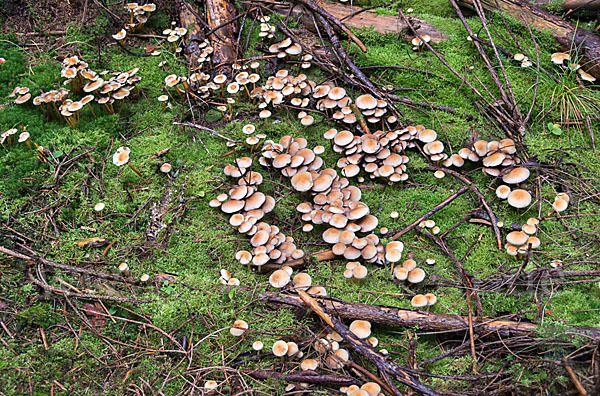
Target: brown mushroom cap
[
  {"x": 502, "y": 191},
  {"x": 560, "y": 205},
  {"x": 279, "y": 279}
]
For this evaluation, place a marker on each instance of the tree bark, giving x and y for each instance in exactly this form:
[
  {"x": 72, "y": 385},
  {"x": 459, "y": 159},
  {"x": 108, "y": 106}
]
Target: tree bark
[
  {"x": 566, "y": 34},
  {"x": 219, "y": 13}
]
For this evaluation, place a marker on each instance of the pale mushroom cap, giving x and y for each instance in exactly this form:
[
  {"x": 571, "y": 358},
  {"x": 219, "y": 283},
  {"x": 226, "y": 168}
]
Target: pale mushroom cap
[
  {"x": 279, "y": 278},
  {"x": 431, "y": 298},
  {"x": 419, "y": 301},
  {"x": 302, "y": 281},
  {"x": 502, "y": 191},
  {"x": 99, "y": 206},
  {"x": 517, "y": 238},
  {"x": 280, "y": 348},
  {"x": 515, "y": 176},
  {"x": 361, "y": 328},
  {"x": 166, "y": 167},
  {"x": 417, "y": 275},
  {"x": 519, "y": 198},
  {"x": 564, "y": 197},
  {"x": 309, "y": 364},
  {"x": 302, "y": 181},
  {"x": 560, "y": 205},
  {"x": 239, "y": 327},
  {"x": 366, "y": 102},
  {"x": 210, "y": 384},
  {"x": 121, "y": 156},
  {"x": 427, "y": 135}
]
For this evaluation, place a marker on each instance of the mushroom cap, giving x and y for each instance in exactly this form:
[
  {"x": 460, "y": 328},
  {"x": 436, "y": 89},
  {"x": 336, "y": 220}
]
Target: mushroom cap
[
  {"x": 232, "y": 206},
  {"x": 529, "y": 229},
  {"x": 502, "y": 191},
  {"x": 431, "y": 298},
  {"x": 343, "y": 138},
  {"x": 309, "y": 364},
  {"x": 302, "y": 181},
  {"x": 210, "y": 384},
  {"x": 534, "y": 242},
  {"x": 417, "y": 275},
  {"x": 257, "y": 345},
  {"x": 419, "y": 301},
  {"x": 302, "y": 281},
  {"x": 336, "y": 93},
  {"x": 121, "y": 156},
  {"x": 515, "y": 176},
  {"x": 361, "y": 328},
  {"x": 480, "y": 147},
  {"x": 366, "y": 102},
  {"x": 239, "y": 327},
  {"x": 99, "y": 206},
  {"x": 560, "y": 205},
  {"x": 563, "y": 196},
  {"x": 166, "y": 167},
  {"x": 427, "y": 135},
  {"x": 519, "y": 198},
  {"x": 280, "y": 348},
  {"x": 517, "y": 238},
  {"x": 360, "y": 272}
]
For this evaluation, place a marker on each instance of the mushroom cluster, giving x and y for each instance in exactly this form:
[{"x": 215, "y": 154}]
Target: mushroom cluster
[
  {"x": 525, "y": 62},
  {"x": 558, "y": 58},
  {"x": 23, "y": 95},
  {"x": 334, "y": 202},
  {"x": 110, "y": 92},
  {"x": 283, "y": 87},
  {"x": 366, "y": 389},
  {"x": 408, "y": 271},
  {"x": 266, "y": 29},
  {"x": 175, "y": 35},
  {"x": 431, "y": 225},
  {"x": 335, "y": 102},
  {"x": 517, "y": 198},
  {"x": 227, "y": 279},
  {"x": 519, "y": 242},
  {"x": 418, "y": 44},
  {"x": 247, "y": 206},
  {"x": 76, "y": 73},
  {"x": 282, "y": 278},
  {"x": 378, "y": 153},
  {"x": 423, "y": 300},
  {"x": 138, "y": 15},
  {"x": 373, "y": 109},
  {"x": 355, "y": 270},
  {"x": 286, "y": 49},
  {"x": 285, "y": 349},
  {"x": 6, "y": 138}
]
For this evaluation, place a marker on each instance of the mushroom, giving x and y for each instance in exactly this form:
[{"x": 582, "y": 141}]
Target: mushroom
[
  {"x": 280, "y": 348},
  {"x": 239, "y": 328},
  {"x": 279, "y": 279},
  {"x": 361, "y": 328},
  {"x": 502, "y": 191},
  {"x": 559, "y": 57},
  {"x": 519, "y": 198},
  {"x": 516, "y": 176},
  {"x": 121, "y": 157},
  {"x": 417, "y": 275},
  {"x": 419, "y": 301}
]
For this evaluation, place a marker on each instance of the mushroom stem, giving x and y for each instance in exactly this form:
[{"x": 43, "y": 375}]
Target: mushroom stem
[
  {"x": 91, "y": 109},
  {"x": 135, "y": 170},
  {"x": 27, "y": 143}
]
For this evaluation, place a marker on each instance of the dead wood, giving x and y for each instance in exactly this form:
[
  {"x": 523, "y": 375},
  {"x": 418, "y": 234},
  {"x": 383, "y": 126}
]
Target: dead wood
[
  {"x": 565, "y": 33},
  {"x": 188, "y": 16},
  {"x": 494, "y": 328},
  {"x": 571, "y": 6},
  {"x": 352, "y": 16},
  {"x": 308, "y": 376},
  {"x": 362, "y": 347},
  {"x": 219, "y": 13}
]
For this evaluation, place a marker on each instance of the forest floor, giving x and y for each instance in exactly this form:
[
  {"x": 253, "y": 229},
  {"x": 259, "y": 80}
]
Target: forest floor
[{"x": 53, "y": 343}]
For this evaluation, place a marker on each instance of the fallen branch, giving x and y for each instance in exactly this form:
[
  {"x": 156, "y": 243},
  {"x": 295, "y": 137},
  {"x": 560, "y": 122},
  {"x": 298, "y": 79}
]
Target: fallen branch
[
  {"x": 363, "y": 348},
  {"x": 495, "y": 328},
  {"x": 308, "y": 376}
]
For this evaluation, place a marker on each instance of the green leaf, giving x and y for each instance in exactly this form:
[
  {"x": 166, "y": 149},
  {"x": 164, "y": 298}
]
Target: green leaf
[
  {"x": 550, "y": 126},
  {"x": 557, "y": 131},
  {"x": 57, "y": 154}
]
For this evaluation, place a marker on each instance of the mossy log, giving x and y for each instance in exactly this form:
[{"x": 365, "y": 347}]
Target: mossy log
[{"x": 566, "y": 34}]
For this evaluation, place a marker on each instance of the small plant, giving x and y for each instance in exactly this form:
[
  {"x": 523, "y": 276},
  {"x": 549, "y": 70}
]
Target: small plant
[{"x": 554, "y": 128}]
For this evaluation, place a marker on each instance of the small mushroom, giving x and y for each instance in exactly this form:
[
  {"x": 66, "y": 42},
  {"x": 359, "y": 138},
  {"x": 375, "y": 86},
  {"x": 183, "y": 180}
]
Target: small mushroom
[{"x": 239, "y": 328}]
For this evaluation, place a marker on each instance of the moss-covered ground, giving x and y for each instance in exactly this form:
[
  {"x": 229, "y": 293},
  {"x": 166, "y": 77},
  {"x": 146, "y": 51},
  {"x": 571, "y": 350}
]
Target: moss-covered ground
[{"x": 51, "y": 214}]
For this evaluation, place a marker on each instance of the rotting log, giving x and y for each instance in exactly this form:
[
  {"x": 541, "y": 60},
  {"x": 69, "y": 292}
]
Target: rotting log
[
  {"x": 425, "y": 320},
  {"x": 571, "y": 5},
  {"x": 188, "y": 17},
  {"x": 308, "y": 376},
  {"x": 566, "y": 34},
  {"x": 363, "y": 19},
  {"x": 219, "y": 17}
]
